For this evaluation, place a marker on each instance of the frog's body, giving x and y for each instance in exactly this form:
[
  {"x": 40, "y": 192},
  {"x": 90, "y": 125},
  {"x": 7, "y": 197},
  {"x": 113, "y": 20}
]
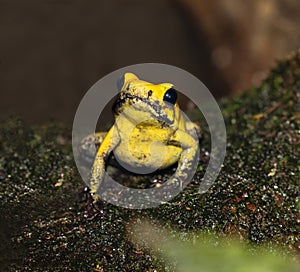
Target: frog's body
[
  {"x": 149, "y": 132},
  {"x": 137, "y": 151}
]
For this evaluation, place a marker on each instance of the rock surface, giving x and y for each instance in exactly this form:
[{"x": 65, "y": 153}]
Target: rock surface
[{"x": 48, "y": 225}]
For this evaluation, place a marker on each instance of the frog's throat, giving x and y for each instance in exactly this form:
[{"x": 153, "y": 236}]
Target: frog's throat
[{"x": 129, "y": 100}]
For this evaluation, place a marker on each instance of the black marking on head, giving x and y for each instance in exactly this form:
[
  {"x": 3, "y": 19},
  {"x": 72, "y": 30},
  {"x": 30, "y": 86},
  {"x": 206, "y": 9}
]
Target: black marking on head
[
  {"x": 120, "y": 101},
  {"x": 124, "y": 98}
]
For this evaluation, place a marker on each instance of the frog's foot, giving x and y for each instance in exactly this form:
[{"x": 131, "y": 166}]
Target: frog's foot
[
  {"x": 89, "y": 197},
  {"x": 175, "y": 182},
  {"x": 94, "y": 208},
  {"x": 95, "y": 197},
  {"x": 93, "y": 191}
]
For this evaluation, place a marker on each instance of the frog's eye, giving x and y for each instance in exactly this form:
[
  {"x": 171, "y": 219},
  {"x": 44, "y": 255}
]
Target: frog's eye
[{"x": 170, "y": 96}]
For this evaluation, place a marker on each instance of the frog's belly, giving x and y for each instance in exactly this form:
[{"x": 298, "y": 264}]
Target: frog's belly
[{"x": 148, "y": 156}]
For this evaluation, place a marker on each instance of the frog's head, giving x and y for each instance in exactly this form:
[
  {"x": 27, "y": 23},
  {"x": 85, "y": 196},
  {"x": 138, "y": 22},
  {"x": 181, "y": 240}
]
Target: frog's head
[{"x": 158, "y": 101}]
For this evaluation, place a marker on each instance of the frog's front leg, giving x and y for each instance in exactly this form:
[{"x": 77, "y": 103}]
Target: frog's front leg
[
  {"x": 188, "y": 160},
  {"x": 109, "y": 142}
]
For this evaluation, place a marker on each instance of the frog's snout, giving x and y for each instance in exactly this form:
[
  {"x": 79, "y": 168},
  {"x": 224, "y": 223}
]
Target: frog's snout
[{"x": 167, "y": 116}]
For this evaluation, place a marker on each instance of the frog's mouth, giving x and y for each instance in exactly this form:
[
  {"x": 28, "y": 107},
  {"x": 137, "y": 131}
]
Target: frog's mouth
[{"x": 155, "y": 109}]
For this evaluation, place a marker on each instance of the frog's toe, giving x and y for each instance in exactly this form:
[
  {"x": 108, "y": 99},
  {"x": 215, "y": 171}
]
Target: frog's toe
[
  {"x": 95, "y": 197},
  {"x": 176, "y": 182}
]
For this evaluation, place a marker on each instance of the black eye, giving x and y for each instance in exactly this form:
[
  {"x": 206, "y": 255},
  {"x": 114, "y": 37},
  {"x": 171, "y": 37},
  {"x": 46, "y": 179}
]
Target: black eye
[
  {"x": 170, "y": 96},
  {"x": 150, "y": 93}
]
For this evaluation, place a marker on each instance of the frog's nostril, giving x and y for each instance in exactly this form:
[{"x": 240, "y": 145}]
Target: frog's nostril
[{"x": 170, "y": 96}]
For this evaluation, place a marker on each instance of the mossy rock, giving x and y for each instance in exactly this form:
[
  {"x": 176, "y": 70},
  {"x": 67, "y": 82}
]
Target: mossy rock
[{"x": 47, "y": 225}]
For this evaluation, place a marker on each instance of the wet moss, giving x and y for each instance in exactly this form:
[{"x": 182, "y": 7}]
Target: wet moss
[{"x": 47, "y": 223}]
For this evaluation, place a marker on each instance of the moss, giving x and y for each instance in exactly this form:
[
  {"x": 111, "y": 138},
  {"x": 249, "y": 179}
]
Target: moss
[{"x": 48, "y": 224}]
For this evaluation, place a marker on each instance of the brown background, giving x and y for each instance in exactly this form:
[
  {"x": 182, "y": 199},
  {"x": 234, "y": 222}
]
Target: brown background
[{"x": 52, "y": 51}]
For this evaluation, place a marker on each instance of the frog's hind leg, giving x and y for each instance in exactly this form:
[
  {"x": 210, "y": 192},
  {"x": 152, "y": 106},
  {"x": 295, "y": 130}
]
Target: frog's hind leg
[{"x": 89, "y": 145}]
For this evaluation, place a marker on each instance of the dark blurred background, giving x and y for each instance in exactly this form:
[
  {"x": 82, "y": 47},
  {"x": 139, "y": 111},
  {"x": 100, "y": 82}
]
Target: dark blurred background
[{"x": 53, "y": 51}]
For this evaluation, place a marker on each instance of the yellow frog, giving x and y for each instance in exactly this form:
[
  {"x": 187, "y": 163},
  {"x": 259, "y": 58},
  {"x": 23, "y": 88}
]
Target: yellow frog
[{"x": 150, "y": 132}]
